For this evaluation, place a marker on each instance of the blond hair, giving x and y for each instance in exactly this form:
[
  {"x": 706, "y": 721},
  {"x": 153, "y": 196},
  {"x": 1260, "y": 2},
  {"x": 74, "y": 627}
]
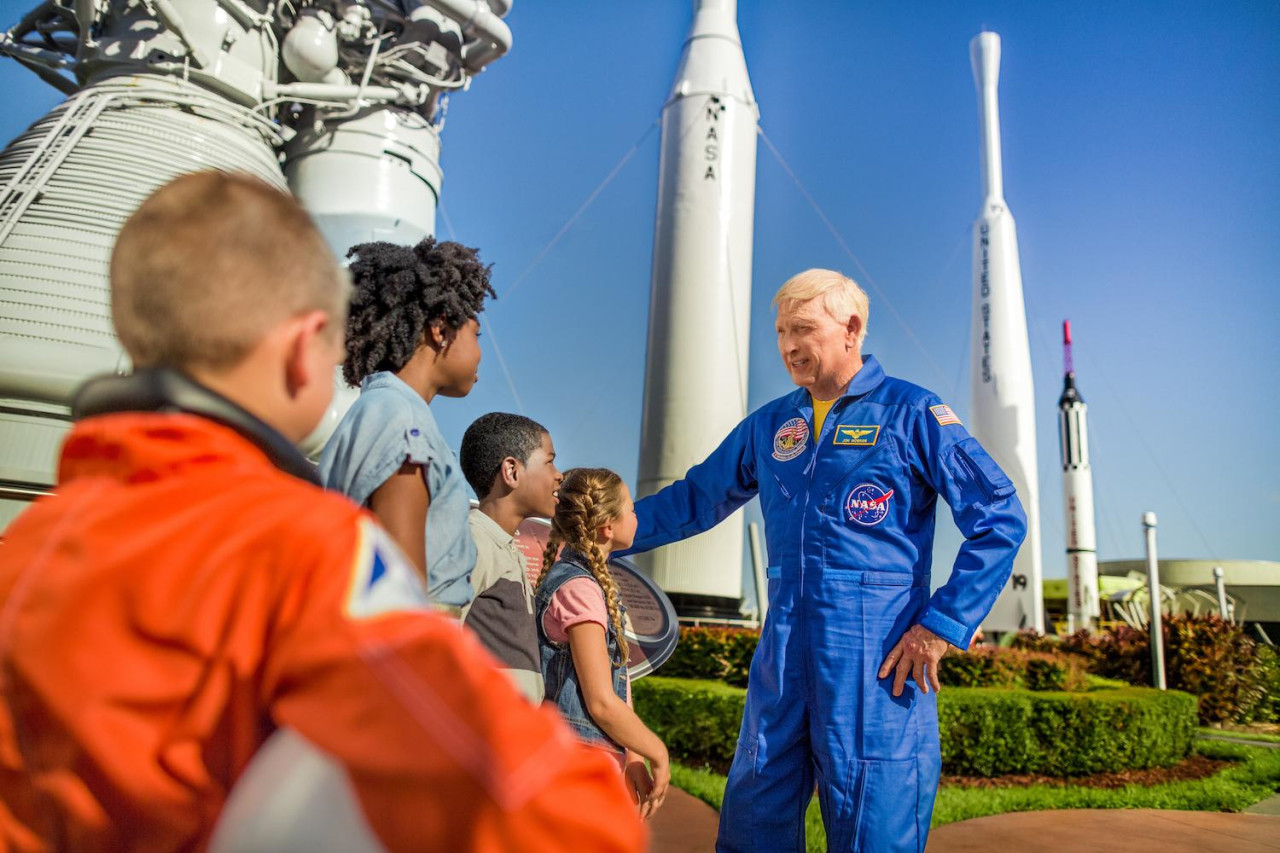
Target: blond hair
[
  {"x": 209, "y": 264},
  {"x": 589, "y": 498},
  {"x": 841, "y": 296}
]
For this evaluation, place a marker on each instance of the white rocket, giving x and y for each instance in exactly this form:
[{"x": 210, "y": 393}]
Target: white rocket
[
  {"x": 1077, "y": 494},
  {"x": 1001, "y": 392},
  {"x": 700, "y": 303}
]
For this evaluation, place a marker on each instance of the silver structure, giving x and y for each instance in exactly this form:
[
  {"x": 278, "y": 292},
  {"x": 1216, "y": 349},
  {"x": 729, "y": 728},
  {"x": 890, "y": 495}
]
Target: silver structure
[
  {"x": 1001, "y": 392},
  {"x": 695, "y": 389},
  {"x": 1154, "y": 594},
  {"x": 341, "y": 101}
]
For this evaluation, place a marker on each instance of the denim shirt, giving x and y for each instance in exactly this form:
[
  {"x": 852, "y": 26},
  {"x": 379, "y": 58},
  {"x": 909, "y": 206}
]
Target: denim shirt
[
  {"x": 391, "y": 424},
  {"x": 561, "y": 679}
]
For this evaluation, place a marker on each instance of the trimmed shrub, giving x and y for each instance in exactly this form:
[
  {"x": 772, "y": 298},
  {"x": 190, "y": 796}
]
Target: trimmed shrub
[
  {"x": 984, "y": 732},
  {"x": 1268, "y": 708},
  {"x": 1012, "y": 668},
  {"x": 724, "y": 654},
  {"x": 1027, "y": 640},
  {"x": 698, "y": 720},
  {"x": 721, "y": 654},
  {"x": 1234, "y": 677},
  {"x": 988, "y": 732}
]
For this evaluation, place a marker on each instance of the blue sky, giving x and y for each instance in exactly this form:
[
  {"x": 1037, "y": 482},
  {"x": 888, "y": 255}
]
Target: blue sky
[{"x": 1141, "y": 164}]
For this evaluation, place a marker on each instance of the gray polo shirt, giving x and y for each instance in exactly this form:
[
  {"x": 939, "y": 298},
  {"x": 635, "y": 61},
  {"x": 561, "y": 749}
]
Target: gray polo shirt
[{"x": 502, "y": 612}]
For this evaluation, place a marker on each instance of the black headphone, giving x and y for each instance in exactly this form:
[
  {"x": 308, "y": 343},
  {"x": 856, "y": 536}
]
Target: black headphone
[{"x": 164, "y": 390}]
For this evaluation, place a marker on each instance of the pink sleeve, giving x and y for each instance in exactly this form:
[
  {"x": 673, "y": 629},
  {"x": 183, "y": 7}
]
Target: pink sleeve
[{"x": 577, "y": 601}]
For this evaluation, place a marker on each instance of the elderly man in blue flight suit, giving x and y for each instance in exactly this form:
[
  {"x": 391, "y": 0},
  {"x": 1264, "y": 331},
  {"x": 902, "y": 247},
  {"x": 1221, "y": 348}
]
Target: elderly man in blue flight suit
[{"x": 844, "y": 683}]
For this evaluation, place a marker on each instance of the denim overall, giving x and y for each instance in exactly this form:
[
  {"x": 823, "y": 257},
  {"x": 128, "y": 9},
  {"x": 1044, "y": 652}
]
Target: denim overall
[{"x": 563, "y": 689}]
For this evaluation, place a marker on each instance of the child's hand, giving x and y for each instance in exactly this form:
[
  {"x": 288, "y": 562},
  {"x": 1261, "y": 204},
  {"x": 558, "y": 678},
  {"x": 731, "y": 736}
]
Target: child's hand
[
  {"x": 639, "y": 783},
  {"x": 660, "y": 768}
]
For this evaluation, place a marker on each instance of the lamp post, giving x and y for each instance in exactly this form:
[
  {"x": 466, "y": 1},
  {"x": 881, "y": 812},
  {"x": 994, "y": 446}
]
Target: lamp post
[{"x": 1153, "y": 584}]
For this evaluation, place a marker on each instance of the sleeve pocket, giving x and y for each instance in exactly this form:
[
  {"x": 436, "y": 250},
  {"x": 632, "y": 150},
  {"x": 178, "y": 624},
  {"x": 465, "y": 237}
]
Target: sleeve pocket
[
  {"x": 977, "y": 476},
  {"x": 417, "y": 448}
]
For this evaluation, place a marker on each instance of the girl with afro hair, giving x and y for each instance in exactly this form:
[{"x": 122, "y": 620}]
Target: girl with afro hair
[{"x": 412, "y": 334}]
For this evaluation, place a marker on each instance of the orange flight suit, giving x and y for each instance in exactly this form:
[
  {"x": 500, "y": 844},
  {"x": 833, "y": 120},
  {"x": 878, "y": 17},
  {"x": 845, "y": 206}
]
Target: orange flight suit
[{"x": 180, "y": 598}]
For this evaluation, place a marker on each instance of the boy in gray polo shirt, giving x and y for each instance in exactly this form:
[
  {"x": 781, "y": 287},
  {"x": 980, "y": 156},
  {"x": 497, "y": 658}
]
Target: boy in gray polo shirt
[{"x": 509, "y": 461}]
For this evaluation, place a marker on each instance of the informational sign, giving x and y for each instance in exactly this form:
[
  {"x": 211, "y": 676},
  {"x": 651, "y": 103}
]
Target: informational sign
[{"x": 651, "y": 627}]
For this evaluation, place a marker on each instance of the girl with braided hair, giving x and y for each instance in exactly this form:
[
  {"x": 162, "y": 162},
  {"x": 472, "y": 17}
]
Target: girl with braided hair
[
  {"x": 412, "y": 335},
  {"x": 580, "y": 629}
]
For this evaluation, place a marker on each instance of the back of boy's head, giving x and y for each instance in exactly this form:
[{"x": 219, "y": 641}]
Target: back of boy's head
[
  {"x": 209, "y": 264},
  {"x": 491, "y": 439},
  {"x": 401, "y": 292}
]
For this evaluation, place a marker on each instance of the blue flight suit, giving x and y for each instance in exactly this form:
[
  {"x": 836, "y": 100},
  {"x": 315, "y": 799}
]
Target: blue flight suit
[{"x": 849, "y": 520}]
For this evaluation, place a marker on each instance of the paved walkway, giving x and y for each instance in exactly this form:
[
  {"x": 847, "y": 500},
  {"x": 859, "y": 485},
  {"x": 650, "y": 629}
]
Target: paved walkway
[
  {"x": 1269, "y": 807},
  {"x": 684, "y": 824},
  {"x": 688, "y": 825},
  {"x": 1110, "y": 831},
  {"x": 1268, "y": 744}
]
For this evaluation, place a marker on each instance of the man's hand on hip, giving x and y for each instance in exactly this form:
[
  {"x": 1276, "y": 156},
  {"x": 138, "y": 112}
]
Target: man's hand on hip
[{"x": 916, "y": 654}]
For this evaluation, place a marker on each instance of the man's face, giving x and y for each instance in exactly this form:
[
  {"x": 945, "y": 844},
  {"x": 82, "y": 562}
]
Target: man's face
[
  {"x": 461, "y": 359},
  {"x": 815, "y": 347},
  {"x": 540, "y": 479}
]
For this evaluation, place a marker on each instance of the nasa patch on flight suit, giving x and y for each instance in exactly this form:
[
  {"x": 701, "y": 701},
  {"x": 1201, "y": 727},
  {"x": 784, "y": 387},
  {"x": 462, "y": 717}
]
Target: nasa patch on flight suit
[
  {"x": 382, "y": 579},
  {"x": 867, "y": 504},
  {"x": 856, "y": 435},
  {"x": 790, "y": 440}
]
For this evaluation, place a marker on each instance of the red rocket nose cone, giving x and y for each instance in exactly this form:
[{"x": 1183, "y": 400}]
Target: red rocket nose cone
[{"x": 1066, "y": 331}]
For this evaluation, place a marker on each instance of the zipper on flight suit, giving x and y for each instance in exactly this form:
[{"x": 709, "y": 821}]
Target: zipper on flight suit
[{"x": 849, "y": 474}]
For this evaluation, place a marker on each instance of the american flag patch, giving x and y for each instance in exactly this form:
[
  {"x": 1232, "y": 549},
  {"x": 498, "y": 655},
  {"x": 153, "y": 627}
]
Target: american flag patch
[
  {"x": 944, "y": 415},
  {"x": 794, "y": 433},
  {"x": 790, "y": 440}
]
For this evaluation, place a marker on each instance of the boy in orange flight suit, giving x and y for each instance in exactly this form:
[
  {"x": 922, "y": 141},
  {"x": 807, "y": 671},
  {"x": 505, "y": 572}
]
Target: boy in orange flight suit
[{"x": 187, "y": 592}]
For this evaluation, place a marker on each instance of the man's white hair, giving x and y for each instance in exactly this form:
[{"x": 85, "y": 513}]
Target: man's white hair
[{"x": 841, "y": 296}]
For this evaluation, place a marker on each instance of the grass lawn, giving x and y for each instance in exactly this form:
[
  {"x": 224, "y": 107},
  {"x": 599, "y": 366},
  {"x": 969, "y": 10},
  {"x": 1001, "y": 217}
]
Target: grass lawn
[
  {"x": 1260, "y": 737},
  {"x": 1234, "y": 789}
]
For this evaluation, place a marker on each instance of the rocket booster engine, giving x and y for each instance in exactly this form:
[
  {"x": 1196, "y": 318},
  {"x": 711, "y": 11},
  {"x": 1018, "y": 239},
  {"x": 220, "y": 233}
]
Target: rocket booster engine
[
  {"x": 340, "y": 101},
  {"x": 1001, "y": 392}
]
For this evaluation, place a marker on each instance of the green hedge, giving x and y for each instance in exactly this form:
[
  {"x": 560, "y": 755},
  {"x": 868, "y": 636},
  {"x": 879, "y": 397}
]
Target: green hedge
[
  {"x": 724, "y": 654},
  {"x": 1236, "y": 678},
  {"x": 697, "y": 720},
  {"x": 989, "y": 732},
  {"x": 985, "y": 732},
  {"x": 1030, "y": 670},
  {"x": 721, "y": 654}
]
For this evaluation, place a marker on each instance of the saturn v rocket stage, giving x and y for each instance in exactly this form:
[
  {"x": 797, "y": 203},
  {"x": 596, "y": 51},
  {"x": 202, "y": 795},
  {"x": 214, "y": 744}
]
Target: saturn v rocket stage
[
  {"x": 1001, "y": 392},
  {"x": 340, "y": 101},
  {"x": 700, "y": 301}
]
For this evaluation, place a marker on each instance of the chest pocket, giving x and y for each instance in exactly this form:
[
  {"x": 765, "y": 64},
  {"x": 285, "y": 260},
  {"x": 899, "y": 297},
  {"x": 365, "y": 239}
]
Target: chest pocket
[
  {"x": 868, "y": 487},
  {"x": 787, "y": 479}
]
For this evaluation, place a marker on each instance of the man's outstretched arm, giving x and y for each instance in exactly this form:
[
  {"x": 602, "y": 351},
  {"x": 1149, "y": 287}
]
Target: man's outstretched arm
[{"x": 707, "y": 494}]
